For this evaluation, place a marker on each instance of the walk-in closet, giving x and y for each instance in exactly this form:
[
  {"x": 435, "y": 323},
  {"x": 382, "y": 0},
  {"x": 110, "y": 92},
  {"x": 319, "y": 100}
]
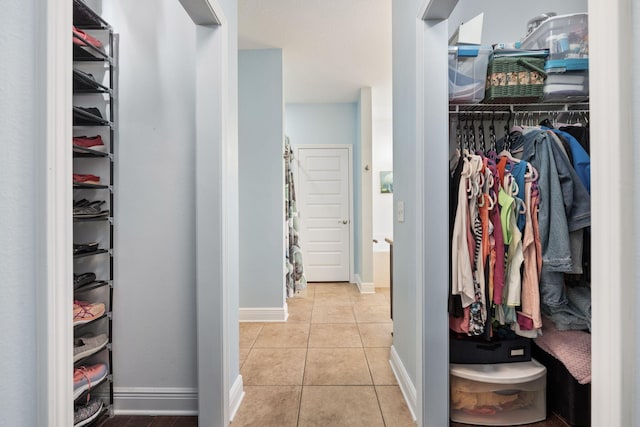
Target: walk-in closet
[
  {"x": 519, "y": 225},
  {"x": 521, "y": 80}
]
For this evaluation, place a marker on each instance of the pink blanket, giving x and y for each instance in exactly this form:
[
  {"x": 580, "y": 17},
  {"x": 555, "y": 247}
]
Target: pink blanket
[{"x": 572, "y": 348}]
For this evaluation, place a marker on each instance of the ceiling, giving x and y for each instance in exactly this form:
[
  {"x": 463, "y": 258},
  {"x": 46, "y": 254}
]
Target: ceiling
[{"x": 331, "y": 48}]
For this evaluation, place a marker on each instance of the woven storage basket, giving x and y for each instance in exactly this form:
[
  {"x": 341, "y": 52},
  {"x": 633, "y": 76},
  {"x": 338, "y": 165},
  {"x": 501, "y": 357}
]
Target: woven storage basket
[{"x": 515, "y": 80}]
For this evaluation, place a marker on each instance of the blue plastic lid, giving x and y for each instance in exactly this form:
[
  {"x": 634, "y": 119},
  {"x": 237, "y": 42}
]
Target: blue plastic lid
[
  {"x": 468, "y": 50},
  {"x": 571, "y": 64}
]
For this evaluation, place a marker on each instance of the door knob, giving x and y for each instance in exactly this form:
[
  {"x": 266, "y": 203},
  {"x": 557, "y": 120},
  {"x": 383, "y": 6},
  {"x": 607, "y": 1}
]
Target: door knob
[{"x": 345, "y": 221}]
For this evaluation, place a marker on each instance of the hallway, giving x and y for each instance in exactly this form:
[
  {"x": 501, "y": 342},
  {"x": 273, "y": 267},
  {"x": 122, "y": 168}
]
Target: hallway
[{"x": 327, "y": 365}]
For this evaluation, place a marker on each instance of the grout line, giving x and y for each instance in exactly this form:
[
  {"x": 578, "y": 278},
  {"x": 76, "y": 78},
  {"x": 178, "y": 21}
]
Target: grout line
[{"x": 375, "y": 390}]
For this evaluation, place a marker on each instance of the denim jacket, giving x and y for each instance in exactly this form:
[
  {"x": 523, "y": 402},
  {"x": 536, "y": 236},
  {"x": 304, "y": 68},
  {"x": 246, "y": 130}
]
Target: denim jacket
[{"x": 564, "y": 207}]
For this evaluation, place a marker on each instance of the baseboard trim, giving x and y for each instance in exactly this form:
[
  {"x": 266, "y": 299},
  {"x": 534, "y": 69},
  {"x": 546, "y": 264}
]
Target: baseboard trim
[
  {"x": 406, "y": 386},
  {"x": 365, "y": 287},
  {"x": 155, "y": 401},
  {"x": 236, "y": 394},
  {"x": 267, "y": 314}
]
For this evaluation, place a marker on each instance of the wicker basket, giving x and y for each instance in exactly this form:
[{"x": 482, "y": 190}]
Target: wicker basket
[{"x": 515, "y": 80}]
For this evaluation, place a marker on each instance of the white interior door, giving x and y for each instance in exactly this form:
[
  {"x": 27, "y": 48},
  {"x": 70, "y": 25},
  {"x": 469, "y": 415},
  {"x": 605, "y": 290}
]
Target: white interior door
[{"x": 323, "y": 195}]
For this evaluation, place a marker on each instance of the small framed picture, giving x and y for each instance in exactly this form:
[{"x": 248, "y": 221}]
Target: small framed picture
[{"x": 386, "y": 182}]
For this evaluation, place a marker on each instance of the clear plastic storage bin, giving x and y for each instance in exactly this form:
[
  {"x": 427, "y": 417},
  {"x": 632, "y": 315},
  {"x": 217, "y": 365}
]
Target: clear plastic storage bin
[
  {"x": 467, "y": 73},
  {"x": 504, "y": 394},
  {"x": 566, "y": 37},
  {"x": 566, "y": 85}
]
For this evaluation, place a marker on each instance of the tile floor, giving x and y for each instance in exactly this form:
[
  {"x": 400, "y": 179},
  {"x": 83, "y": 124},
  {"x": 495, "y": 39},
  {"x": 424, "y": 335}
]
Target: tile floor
[{"x": 328, "y": 365}]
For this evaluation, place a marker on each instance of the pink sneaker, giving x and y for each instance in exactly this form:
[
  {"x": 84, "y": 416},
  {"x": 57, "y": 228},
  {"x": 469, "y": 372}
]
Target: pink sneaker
[
  {"x": 92, "y": 142},
  {"x": 81, "y": 39},
  {"x": 79, "y": 178},
  {"x": 84, "y": 312},
  {"x": 85, "y": 377}
]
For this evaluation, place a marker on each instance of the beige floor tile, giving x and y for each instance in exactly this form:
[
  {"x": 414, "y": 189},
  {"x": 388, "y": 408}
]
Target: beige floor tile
[
  {"x": 334, "y": 335},
  {"x": 331, "y": 292},
  {"x": 369, "y": 299},
  {"x": 306, "y": 293},
  {"x": 394, "y": 408},
  {"x": 378, "y": 360},
  {"x": 248, "y": 333},
  {"x": 328, "y": 300},
  {"x": 283, "y": 335},
  {"x": 376, "y": 334},
  {"x": 300, "y": 300},
  {"x": 372, "y": 313},
  {"x": 272, "y": 406},
  {"x": 384, "y": 291},
  {"x": 352, "y": 289},
  {"x": 336, "y": 366},
  {"x": 244, "y": 352},
  {"x": 332, "y": 314},
  {"x": 339, "y": 407},
  {"x": 300, "y": 311},
  {"x": 274, "y": 366}
]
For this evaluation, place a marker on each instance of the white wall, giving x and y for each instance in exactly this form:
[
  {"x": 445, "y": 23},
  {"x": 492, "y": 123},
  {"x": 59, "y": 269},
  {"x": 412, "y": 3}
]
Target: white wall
[
  {"x": 19, "y": 101},
  {"x": 382, "y": 211},
  {"x": 382, "y": 202},
  {"x": 636, "y": 185},
  {"x": 364, "y": 247},
  {"x": 261, "y": 168},
  {"x": 154, "y": 322},
  {"x": 230, "y": 8}
]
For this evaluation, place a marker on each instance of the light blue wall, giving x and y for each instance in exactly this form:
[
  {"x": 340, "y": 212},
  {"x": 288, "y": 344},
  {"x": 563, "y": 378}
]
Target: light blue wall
[
  {"x": 329, "y": 124},
  {"x": 155, "y": 233},
  {"x": 19, "y": 100},
  {"x": 261, "y": 169},
  {"x": 404, "y": 182},
  {"x": 321, "y": 123}
]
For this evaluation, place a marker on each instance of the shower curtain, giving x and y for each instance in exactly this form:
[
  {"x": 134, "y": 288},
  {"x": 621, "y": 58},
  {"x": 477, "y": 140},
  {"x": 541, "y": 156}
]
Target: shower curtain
[{"x": 295, "y": 280}]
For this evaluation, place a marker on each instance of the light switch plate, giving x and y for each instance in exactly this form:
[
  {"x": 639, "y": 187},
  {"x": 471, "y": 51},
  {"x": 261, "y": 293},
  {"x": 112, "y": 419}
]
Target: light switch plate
[{"x": 400, "y": 211}]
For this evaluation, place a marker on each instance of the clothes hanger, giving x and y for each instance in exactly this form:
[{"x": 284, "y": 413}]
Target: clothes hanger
[
  {"x": 492, "y": 133},
  {"x": 483, "y": 148}
]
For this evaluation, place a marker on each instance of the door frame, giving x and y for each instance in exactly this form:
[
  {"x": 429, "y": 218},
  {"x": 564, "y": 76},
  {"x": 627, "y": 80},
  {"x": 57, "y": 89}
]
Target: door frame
[{"x": 297, "y": 148}]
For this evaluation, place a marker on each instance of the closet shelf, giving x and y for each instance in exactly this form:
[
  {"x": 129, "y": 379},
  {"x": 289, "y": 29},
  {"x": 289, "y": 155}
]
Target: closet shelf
[
  {"x": 87, "y": 254},
  {"x": 94, "y": 321},
  {"x": 514, "y": 108},
  {"x": 89, "y": 53},
  {"x": 84, "y": 17},
  {"x": 90, "y": 186},
  {"x": 83, "y": 118},
  {"x": 83, "y": 83},
  {"x": 91, "y": 286},
  {"x": 84, "y": 359},
  {"x": 82, "y": 152},
  {"x": 99, "y": 219}
]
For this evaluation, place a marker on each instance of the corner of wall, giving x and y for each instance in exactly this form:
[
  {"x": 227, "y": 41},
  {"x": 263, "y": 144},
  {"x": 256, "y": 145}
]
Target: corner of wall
[{"x": 365, "y": 287}]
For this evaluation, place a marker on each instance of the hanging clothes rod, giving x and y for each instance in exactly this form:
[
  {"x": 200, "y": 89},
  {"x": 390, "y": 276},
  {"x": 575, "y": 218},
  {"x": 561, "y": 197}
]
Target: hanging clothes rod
[{"x": 517, "y": 108}]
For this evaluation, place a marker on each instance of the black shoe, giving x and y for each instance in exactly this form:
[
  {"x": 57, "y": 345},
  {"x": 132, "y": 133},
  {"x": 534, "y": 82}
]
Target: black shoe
[{"x": 83, "y": 279}]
